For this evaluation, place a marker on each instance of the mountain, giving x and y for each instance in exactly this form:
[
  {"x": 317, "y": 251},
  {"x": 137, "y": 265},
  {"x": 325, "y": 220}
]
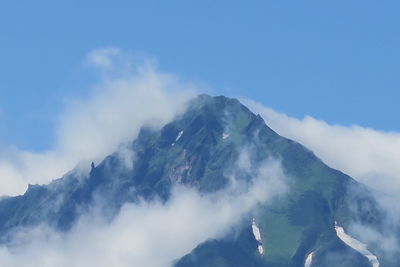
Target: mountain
[{"x": 197, "y": 149}]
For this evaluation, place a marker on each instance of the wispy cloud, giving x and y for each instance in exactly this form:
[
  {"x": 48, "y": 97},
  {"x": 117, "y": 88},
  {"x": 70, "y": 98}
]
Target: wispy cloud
[
  {"x": 104, "y": 58},
  {"x": 151, "y": 234},
  {"x": 93, "y": 127},
  {"x": 368, "y": 155}
]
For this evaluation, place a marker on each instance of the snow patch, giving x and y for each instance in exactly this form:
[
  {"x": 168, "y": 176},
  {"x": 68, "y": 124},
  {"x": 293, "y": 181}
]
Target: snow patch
[
  {"x": 260, "y": 249},
  {"x": 256, "y": 231},
  {"x": 225, "y": 135},
  {"x": 257, "y": 236},
  {"x": 357, "y": 245},
  {"x": 177, "y": 138},
  {"x": 309, "y": 260}
]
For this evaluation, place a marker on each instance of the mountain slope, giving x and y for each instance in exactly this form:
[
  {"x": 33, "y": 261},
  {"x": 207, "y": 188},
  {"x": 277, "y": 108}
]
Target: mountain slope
[{"x": 199, "y": 149}]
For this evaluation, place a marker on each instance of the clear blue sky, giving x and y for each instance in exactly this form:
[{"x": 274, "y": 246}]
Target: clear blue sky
[{"x": 335, "y": 60}]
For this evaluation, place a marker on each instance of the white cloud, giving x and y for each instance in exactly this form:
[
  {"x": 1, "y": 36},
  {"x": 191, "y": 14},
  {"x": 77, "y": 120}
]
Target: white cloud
[
  {"x": 104, "y": 58},
  {"x": 146, "y": 234},
  {"x": 91, "y": 128},
  {"x": 370, "y": 156}
]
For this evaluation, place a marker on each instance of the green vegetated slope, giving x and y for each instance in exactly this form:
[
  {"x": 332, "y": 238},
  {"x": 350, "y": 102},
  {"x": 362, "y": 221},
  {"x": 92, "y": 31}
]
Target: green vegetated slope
[{"x": 213, "y": 132}]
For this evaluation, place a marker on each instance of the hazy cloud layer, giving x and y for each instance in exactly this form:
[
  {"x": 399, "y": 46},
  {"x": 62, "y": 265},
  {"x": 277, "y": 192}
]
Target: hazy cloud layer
[
  {"x": 147, "y": 234},
  {"x": 91, "y": 128},
  {"x": 370, "y": 156}
]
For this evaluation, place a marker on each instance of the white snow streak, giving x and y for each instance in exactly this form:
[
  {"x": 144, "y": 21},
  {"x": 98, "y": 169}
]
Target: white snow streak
[
  {"x": 257, "y": 236},
  {"x": 309, "y": 260},
  {"x": 357, "y": 245},
  {"x": 177, "y": 138}
]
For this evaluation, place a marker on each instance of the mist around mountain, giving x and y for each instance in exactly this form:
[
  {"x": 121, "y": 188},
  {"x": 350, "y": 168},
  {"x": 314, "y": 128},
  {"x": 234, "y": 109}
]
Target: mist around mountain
[{"x": 215, "y": 186}]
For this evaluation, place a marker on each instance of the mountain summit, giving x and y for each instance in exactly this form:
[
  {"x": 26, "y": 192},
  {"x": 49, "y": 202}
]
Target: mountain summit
[{"x": 305, "y": 226}]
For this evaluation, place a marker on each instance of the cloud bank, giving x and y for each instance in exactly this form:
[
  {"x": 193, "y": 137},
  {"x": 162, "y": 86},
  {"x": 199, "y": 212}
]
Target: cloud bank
[
  {"x": 150, "y": 234},
  {"x": 127, "y": 97},
  {"x": 370, "y": 156}
]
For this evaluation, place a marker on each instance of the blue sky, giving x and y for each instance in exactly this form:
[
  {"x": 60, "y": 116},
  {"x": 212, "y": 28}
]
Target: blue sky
[{"x": 338, "y": 61}]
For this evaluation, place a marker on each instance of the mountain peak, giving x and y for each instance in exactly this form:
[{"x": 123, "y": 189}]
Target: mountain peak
[
  {"x": 217, "y": 103},
  {"x": 199, "y": 149}
]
